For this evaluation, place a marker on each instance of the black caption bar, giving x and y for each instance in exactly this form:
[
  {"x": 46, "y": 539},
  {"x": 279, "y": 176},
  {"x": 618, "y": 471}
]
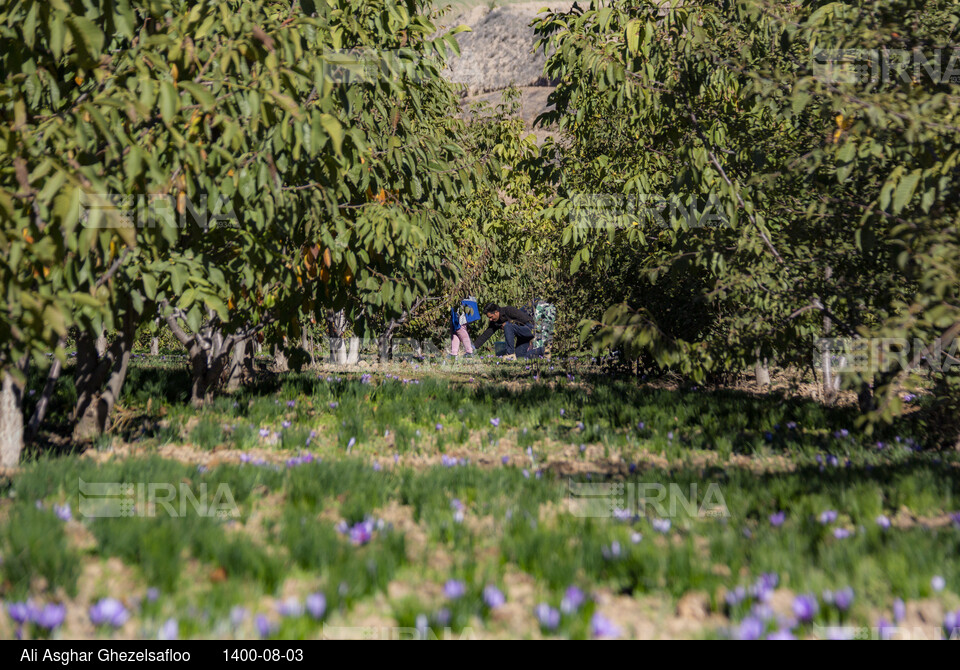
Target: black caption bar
[{"x": 239, "y": 653}]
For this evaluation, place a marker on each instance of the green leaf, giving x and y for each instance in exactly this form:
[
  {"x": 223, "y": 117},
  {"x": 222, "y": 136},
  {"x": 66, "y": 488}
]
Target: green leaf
[{"x": 905, "y": 190}]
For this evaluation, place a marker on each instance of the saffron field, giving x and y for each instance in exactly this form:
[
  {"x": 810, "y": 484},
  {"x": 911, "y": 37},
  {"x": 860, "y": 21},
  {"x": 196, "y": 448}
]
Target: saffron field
[{"x": 481, "y": 500}]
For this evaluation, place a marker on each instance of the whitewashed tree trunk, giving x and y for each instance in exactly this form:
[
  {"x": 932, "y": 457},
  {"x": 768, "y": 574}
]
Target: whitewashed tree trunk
[
  {"x": 830, "y": 381},
  {"x": 336, "y": 327},
  {"x": 11, "y": 421},
  {"x": 102, "y": 344},
  {"x": 155, "y": 346},
  {"x": 762, "y": 373},
  {"x": 280, "y": 359},
  {"x": 353, "y": 357}
]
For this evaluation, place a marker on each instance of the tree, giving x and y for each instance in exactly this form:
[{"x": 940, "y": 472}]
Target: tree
[
  {"x": 832, "y": 197},
  {"x": 229, "y": 127}
]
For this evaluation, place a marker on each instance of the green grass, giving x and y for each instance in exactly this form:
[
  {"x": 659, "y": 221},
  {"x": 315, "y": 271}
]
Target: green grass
[{"x": 515, "y": 518}]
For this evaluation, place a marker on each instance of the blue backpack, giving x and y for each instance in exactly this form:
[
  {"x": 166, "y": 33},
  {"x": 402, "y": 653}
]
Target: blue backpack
[{"x": 468, "y": 313}]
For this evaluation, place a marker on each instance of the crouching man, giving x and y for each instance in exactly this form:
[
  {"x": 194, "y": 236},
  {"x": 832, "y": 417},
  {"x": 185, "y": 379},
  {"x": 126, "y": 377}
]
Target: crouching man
[{"x": 517, "y": 328}]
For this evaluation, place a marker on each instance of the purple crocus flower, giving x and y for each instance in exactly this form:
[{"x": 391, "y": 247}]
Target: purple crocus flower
[
  {"x": 828, "y": 516},
  {"x": 237, "y": 615},
  {"x": 50, "y": 616},
  {"x": 769, "y": 580},
  {"x": 781, "y": 635},
  {"x": 152, "y": 594},
  {"x": 843, "y": 599},
  {"x": 63, "y": 512},
  {"x": 439, "y": 426},
  {"x": 493, "y": 597},
  {"x": 751, "y": 628},
  {"x": 883, "y": 522},
  {"x": 572, "y": 600},
  {"x": 317, "y": 605},
  {"x": 285, "y": 424},
  {"x": 661, "y": 525},
  {"x": 263, "y": 625},
  {"x": 495, "y": 422},
  {"x": 736, "y": 596},
  {"x": 454, "y": 589},
  {"x": 763, "y": 588},
  {"x": 291, "y": 607},
  {"x": 442, "y": 617},
  {"x": 763, "y": 611},
  {"x": 611, "y": 552},
  {"x": 264, "y": 432},
  {"x": 505, "y": 460},
  {"x": 361, "y": 533},
  {"x": 600, "y": 626},
  {"x": 777, "y": 519},
  {"x": 291, "y": 404},
  {"x": 548, "y": 617},
  {"x": 899, "y": 610},
  {"x": 169, "y": 630},
  {"x": 20, "y": 612},
  {"x": 841, "y": 533},
  {"x": 938, "y": 583},
  {"x": 805, "y": 607},
  {"x": 110, "y": 612},
  {"x": 951, "y": 623}
]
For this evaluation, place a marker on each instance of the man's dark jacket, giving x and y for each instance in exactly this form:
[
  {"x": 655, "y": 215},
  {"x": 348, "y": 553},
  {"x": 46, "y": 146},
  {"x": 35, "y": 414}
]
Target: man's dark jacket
[{"x": 507, "y": 315}]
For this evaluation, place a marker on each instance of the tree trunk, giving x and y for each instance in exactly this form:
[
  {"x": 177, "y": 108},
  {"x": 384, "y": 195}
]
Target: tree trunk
[
  {"x": 306, "y": 343},
  {"x": 384, "y": 345},
  {"x": 99, "y": 379},
  {"x": 353, "y": 356},
  {"x": 336, "y": 327},
  {"x": 43, "y": 404},
  {"x": 102, "y": 344},
  {"x": 208, "y": 365},
  {"x": 11, "y": 420},
  {"x": 155, "y": 346},
  {"x": 280, "y": 359},
  {"x": 865, "y": 398},
  {"x": 831, "y": 381},
  {"x": 240, "y": 370},
  {"x": 762, "y": 372}
]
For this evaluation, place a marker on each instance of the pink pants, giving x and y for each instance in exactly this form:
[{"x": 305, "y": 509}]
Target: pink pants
[{"x": 461, "y": 336}]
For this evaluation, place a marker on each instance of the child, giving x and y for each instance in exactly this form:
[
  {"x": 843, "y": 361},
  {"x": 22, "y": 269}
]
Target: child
[{"x": 458, "y": 327}]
